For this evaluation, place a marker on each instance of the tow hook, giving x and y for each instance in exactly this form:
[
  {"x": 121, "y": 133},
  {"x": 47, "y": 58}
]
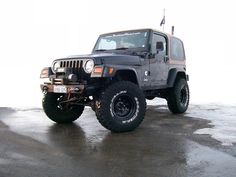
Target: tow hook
[{"x": 45, "y": 90}]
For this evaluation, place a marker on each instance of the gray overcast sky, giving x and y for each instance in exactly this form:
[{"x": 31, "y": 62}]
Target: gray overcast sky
[{"x": 34, "y": 32}]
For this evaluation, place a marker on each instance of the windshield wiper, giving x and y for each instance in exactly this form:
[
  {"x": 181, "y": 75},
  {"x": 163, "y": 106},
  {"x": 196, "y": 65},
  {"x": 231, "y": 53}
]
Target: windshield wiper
[
  {"x": 122, "y": 48},
  {"x": 100, "y": 50}
]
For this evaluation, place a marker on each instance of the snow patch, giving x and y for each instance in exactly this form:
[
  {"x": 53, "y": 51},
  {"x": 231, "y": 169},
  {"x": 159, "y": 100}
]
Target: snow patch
[{"x": 223, "y": 119}]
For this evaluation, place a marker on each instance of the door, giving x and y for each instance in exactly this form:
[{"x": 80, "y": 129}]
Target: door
[{"x": 158, "y": 62}]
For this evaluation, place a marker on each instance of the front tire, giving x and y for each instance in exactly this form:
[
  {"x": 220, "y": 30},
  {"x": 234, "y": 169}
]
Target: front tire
[
  {"x": 121, "y": 107},
  {"x": 178, "y": 99},
  {"x": 58, "y": 113}
]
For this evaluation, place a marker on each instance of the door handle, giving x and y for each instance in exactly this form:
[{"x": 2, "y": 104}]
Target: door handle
[{"x": 166, "y": 58}]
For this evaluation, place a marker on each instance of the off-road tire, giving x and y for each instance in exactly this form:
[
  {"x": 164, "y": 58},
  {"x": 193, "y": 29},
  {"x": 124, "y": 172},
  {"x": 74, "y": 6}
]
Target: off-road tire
[
  {"x": 121, "y": 107},
  {"x": 58, "y": 114},
  {"x": 178, "y": 98}
]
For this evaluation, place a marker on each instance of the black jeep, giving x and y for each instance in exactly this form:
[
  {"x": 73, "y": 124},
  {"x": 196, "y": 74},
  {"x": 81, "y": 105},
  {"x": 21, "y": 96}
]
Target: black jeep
[{"x": 124, "y": 69}]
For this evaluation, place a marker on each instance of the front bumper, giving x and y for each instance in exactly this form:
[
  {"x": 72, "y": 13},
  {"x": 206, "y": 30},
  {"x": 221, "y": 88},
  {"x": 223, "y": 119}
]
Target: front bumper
[
  {"x": 63, "y": 88},
  {"x": 79, "y": 89}
]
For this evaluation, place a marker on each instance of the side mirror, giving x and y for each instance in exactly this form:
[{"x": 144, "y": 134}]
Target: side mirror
[{"x": 159, "y": 46}]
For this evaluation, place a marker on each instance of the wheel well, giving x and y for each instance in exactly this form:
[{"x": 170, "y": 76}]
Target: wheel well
[
  {"x": 126, "y": 75},
  {"x": 175, "y": 75},
  {"x": 180, "y": 75}
]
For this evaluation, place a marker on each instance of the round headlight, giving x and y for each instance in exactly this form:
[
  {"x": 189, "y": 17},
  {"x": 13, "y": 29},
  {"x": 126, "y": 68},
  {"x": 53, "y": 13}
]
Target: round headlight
[
  {"x": 55, "y": 66},
  {"x": 88, "y": 67}
]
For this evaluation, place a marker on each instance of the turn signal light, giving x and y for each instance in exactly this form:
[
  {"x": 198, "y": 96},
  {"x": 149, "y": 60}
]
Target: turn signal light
[
  {"x": 110, "y": 71},
  {"x": 44, "y": 73},
  {"x": 98, "y": 70}
]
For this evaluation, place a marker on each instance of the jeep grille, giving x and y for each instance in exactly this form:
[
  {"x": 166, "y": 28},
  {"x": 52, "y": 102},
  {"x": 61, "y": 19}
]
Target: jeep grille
[
  {"x": 71, "y": 64},
  {"x": 76, "y": 66}
]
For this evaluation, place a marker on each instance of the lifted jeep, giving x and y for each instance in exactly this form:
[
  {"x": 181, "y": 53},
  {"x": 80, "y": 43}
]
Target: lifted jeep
[{"x": 124, "y": 69}]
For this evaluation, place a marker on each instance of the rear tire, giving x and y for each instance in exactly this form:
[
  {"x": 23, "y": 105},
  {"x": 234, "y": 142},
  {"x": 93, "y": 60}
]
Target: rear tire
[
  {"x": 178, "y": 99},
  {"x": 121, "y": 107},
  {"x": 60, "y": 113}
]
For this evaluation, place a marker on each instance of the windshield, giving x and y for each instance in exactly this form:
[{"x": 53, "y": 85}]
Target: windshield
[{"x": 122, "y": 41}]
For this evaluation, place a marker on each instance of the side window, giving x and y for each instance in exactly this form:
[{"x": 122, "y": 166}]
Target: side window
[
  {"x": 158, "y": 38},
  {"x": 177, "y": 49}
]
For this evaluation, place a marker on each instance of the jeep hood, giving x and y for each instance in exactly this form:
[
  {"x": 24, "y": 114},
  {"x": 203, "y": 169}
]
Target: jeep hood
[{"x": 109, "y": 58}]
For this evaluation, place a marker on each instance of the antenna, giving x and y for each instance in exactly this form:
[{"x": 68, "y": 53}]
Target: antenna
[
  {"x": 172, "y": 30},
  {"x": 163, "y": 21},
  {"x": 164, "y": 17}
]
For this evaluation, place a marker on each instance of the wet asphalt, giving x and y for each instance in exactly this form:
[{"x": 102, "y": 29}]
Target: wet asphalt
[{"x": 164, "y": 145}]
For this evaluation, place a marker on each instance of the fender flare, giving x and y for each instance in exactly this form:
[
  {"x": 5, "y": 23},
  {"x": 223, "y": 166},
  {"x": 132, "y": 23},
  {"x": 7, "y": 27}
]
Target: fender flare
[
  {"x": 173, "y": 74},
  {"x": 117, "y": 70}
]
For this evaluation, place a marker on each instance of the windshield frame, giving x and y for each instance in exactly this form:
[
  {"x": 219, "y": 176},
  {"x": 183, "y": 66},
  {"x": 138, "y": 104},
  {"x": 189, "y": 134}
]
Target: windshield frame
[{"x": 137, "y": 49}]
